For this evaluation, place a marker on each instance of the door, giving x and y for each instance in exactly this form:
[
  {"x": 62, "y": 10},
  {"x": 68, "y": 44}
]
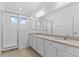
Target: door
[
  {"x": 9, "y": 30},
  {"x": 24, "y": 29}
]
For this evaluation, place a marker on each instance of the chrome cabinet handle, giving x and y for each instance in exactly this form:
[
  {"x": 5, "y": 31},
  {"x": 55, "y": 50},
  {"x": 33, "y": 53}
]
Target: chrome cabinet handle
[{"x": 75, "y": 33}]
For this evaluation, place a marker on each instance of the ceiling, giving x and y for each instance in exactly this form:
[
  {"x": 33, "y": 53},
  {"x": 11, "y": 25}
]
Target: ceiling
[
  {"x": 26, "y": 7},
  {"x": 32, "y": 8},
  {"x": 50, "y": 7}
]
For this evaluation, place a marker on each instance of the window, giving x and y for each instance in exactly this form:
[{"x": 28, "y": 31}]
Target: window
[
  {"x": 22, "y": 21},
  {"x": 14, "y": 19}
]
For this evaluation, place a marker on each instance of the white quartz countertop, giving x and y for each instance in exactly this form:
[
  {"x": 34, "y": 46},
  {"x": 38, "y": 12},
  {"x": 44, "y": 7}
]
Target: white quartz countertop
[{"x": 69, "y": 41}]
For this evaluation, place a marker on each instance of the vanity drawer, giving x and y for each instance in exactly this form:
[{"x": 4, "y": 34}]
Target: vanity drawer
[
  {"x": 47, "y": 43},
  {"x": 58, "y": 45},
  {"x": 49, "y": 50},
  {"x": 72, "y": 50},
  {"x": 63, "y": 54}
]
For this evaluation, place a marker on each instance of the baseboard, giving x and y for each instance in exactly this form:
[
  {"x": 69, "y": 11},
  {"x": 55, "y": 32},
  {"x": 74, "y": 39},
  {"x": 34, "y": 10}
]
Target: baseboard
[
  {"x": 21, "y": 47},
  {"x": 0, "y": 52},
  {"x": 4, "y": 49}
]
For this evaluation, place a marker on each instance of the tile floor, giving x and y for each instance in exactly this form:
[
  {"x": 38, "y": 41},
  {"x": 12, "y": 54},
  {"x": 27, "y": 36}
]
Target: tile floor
[{"x": 25, "y": 52}]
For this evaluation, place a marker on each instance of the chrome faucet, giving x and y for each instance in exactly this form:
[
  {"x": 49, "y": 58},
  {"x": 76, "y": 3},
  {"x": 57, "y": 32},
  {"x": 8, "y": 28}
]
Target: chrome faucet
[{"x": 65, "y": 38}]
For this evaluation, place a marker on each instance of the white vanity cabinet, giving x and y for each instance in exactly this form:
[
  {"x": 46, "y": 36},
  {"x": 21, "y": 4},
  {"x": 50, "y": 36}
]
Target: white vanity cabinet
[
  {"x": 50, "y": 51},
  {"x": 37, "y": 44},
  {"x": 50, "y": 48},
  {"x": 34, "y": 43},
  {"x": 30, "y": 40},
  {"x": 40, "y": 46},
  {"x": 63, "y": 54},
  {"x": 57, "y": 45},
  {"x": 72, "y": 50}
]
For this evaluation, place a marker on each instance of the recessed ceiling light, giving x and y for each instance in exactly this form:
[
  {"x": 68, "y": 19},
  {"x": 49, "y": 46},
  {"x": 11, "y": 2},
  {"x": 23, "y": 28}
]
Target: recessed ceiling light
[{"x": 20, "y": 8}]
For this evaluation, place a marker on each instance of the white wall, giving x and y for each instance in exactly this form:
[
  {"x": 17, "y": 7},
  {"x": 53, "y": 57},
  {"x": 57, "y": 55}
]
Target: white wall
[
  {"x": 63, "y": 19},
  {"x": 1, "y": 8}
]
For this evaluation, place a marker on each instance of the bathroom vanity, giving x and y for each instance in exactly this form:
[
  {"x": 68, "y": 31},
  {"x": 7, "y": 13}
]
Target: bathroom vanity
[{"x": 54, "y": 46}]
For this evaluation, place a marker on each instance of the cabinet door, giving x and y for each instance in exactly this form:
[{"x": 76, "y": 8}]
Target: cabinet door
[
  {"x": 30, "y": 40},
  {"x": 34, "y": 43},
  {"x": 63, "y": 54},
  {"x": 40, "y": 46},
  {"x": 72, "y": 50},
  {"x": 58, "y": 45},
  {"x": 49, "y": 50}
]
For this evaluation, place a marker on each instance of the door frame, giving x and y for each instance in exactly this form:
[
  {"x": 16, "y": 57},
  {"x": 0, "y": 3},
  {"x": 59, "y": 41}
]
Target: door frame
[{"x": 3, "y": 31}]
